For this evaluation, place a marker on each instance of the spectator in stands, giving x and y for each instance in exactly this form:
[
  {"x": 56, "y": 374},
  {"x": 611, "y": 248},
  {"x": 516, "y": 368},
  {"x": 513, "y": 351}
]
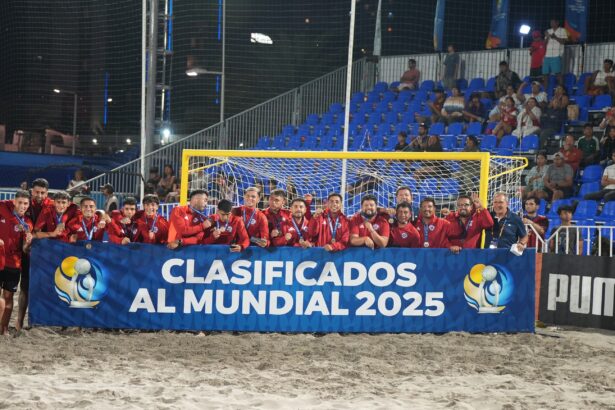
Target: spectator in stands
[
  {"x": 535, "y": 92},
  {"x": 451, "y": 68},
  {"x": 111, "y": 202},
  {"x": 475, "y": 110},
  {"x": 24, "y": 186},
  {"x": 572, "y": 155},
  {"x": 539, "y": 223},
  {"x": 472, "y": 144},
  {"x": 554, "y": 116},
  {"x": 199, "y": 180},
  {"x": 452, "y": 110},
  {"x": 507, "y": 229},
  {"x": 558, "y": 180},
  {"x": 153, "y": 179},
  {"x": 410, "y": 78},
  {"x": 402, "y": 141},
  {"x": 537, "y": 53},
  {"x": 589, "y": 145},
  {"x": 607, "y": 147},
  {"x": 76, "y": 185},
  {"x": 535, "y": 178},
  {"x": 423, "y": 142},
  {"x": 505, "y": 78},
  {"x": 508, "y": 121},
  {"x": 528, "y": 121},
  {"x": 608, "y": 182},
  {"x": 435, "y": 107},
  {"x": 609, "y": 118},
  {"x": 165, "y": 185},
  {"x": 601, "y": 81},
  {"x": 555, "y": 39},
  {"x": 566, "y": 240},
  {"x": 495, "y": 114}
]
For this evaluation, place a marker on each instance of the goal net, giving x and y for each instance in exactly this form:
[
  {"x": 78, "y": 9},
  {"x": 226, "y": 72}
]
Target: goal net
[{"x": 443, "y": 176}]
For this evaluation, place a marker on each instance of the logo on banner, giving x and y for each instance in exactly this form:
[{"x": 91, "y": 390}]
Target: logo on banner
[
  {"x": 488, "y": 288},
  {"x": 80, "y": 282}
]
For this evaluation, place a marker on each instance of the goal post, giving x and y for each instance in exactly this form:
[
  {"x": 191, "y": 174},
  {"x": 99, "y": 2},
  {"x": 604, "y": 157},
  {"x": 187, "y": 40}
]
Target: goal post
[{"x": 225, "y": 174}]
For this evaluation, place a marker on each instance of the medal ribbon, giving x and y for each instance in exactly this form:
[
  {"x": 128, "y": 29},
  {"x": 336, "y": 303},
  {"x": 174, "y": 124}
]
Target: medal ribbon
[
  {"x": 90, "y": 233},
  {"x": 333, "y": 228},
  {"x": 22, "y": 222},
  {"x": 154, "y": 222},
  {"x": 225, "y": 225},
  {"x": 297, "y": 228},
  {"x": 201, "y": 215},
  {"x": 249, "y": 221}
]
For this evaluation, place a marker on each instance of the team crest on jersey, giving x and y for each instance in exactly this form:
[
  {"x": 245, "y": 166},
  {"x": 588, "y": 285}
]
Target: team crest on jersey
[
  {"x": 432, "y": 227},
  {"x": 376, "y": 226},
  {"x": 155, "y": 229},
  {"x": 253, "y": 222},
  {"x": 404, "y": 235},
  {"x": 291, "y": 229},
  {"x": 195, "y": 220},
  {"x": 16, "y": 227},
  {"x": 229, "y": 229},
  {"x": 3, "y": 220},
  {"x": 391, "y": 220}
]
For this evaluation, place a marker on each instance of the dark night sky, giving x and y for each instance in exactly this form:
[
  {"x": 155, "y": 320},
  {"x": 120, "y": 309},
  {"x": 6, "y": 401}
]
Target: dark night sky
[{"x": 73, "y": 43}]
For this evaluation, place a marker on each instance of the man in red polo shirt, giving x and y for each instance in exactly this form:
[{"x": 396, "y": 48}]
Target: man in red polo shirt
[
  {"x": 468, "y": 223},
  {"x": 123, "y": 228},
  {"x": 296, "y": 231},
  {"x": 433, "y": 231},
  {"x": 540, "y": 223},
  {"x": 15, "y": 239},
  {"x": 403, "y": 233},
  {"x": 367, "y": 228},
  {"x": 152, "y": 228},
  {"x": 330, "y": 229},
  {"x": 572, "y": 155},
  {"x": 226, "y": 229},
  {"x": 253, "y": 219},
  {"x": 188, "y": 223},
  {"x": 276, "y": 214},
  {"x": 52, "y": 221},
  {"x": 89, "y": 225}
]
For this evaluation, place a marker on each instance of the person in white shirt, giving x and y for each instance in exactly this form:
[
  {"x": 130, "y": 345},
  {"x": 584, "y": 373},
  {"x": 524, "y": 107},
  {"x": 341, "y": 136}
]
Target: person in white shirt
[
  {"x": 528, "y": 121},
  {"x": 555, "y": 38},
  {"x": 536, "y": 93},
  {"x": 608, "y": 182},
  {"x": 602, "y": 81}
]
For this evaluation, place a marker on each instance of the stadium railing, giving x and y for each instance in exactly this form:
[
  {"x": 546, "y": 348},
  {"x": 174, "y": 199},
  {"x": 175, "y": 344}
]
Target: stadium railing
[{"x": 598, "y": 240}]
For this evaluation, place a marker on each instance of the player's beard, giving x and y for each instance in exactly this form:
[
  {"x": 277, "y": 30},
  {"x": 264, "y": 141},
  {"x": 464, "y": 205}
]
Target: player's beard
[
  {"x": 464, "y": 213},
  {"x": 368, "y": 214}
]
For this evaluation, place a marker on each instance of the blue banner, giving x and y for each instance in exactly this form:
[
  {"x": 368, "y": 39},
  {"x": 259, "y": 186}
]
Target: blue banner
[
  {"x": 145, "y": 286},
  {"x": 438, "y": 26},
  {"x": 498, "y": 32},
  {"x": 576, "y": 20}
]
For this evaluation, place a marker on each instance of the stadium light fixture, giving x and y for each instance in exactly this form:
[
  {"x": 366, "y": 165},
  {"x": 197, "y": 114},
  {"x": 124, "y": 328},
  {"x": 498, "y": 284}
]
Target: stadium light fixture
[
  {"x": 128, "y": 141},
  {"x": 57, "y": 91},
  {"x": 193, "y": 72},
  {"x": 109, "y": 99},
  {"x": 166, "y": 133},
  {"x": 261, "y": 38},
  {"x": 524, "y": 30},
  {"x": 94, "y": 141}
]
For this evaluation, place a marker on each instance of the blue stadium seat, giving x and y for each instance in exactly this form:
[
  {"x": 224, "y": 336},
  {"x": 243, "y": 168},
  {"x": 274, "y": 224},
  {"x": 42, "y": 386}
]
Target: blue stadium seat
[
  {"x": 588, "y": 187},
  {"x": 476, "y": 84},
  {"x": 455, "y": 128},
  {"x": 394, "y": 84},
  {"x": 601, "y": 101},
  {"x": 504, "y": 152},
  {"x": 488, "y": 103},
  {"x": 488, "y": 142},
  {"x": 542, "y": 207},
  {"x": 580, "y": 86},
  {"x": 381, "y": 87},
  {"x": 436, "y": 129},
  {"x": 490, "y": 86},
  {"x": 399, "y": 106},
  {"x": 288, "y": 129},
  {"x": 554, "y": 223},
  {"x": 405, "y": 95},
  {"x": 608, "y": 213},
  {"x": 312, "y": 119},
  {"x": 582, "y": 100},
  {"x": 357, "y": 98},
  {"x": 474, "y": 128},
  {"x": 462, "y": 84},
  {"x": 449, "y": 186},
  {"x": 569, "y": 82},
  {"x": 427, "y": 85},
  {"x": 592, "y": 173},
  {"x": 449, "y": 142},
  {"x": 336, "y": 108},
  {"x": 585, "y": 210},
  {"x": 556, "y": 204},
  {"x": 509, "y": 142},
  {"x": 529, "y": 143}
]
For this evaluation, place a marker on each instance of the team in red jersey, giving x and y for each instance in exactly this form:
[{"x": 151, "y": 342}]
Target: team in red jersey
[
  {"x": 468, "y": 223},
  {"x": 123, "y": 227},
  {"x": 15, "y": 239},
  {"x": 297, "y": 231},
  {"x": 433, "y": 231},
  {"x": 52, "y": 222},
  {"x": 539, "y": 223},
  {"x": 226, "y": 229},
  {"x": 276, "y": 214},
  {"x": 330, "y": 228},
  {"x": 89, "y": 225},
  {"x": 403, "y": 233},
  {"x": 253, "y": 218},
  {"x": 152, "y": 228},
  {"x": 188, "y": 223},
  {"x": 367, "y": 228}
]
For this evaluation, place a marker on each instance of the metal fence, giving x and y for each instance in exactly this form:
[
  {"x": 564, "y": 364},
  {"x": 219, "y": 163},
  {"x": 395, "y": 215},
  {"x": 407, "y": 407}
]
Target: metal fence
[{"x": 578, "y": 240}]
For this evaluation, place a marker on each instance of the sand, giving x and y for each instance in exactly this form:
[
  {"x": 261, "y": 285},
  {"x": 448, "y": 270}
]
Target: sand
[{"x": 51, "y": 368}]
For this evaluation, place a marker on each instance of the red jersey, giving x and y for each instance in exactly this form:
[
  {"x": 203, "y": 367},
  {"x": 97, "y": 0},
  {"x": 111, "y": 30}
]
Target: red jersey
[
  {"x": 254, "y": 220},
  {"x": 544, "y": 224},
  {"x": 538, "y": 48},
  {"x": 186, "y": 224},
  {"x": 404, "y": 236},
  {"x": 49, "y": 219},
  {"x": 434, "y": 234},
  {"x": 572, "y": 157},
  {"x": 85, "y": 229},
  {"x": 157, "y": 225},
  {"x": 13, "y": 233},
  {"x": 468, "y": 235},
  {"x": 232, "y": 232},
  {"x": 276, "y": 219},
  {"x": 117, "y": 230},
  {"x": 323, "y": 227},
  {"x": 35, "y": 209},
  {"x": 297, "y": 231},
  {"x": 380, "y": 224}
]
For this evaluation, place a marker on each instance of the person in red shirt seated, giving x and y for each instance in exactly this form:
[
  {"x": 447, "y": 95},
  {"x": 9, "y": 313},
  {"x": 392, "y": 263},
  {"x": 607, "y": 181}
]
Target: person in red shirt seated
[
  {"x": 15, "y": 240},
  {"x": 468, "y": 223},
  {"x": 253, "y": 219},
  {"x": 188, "y": 223},
  {"x": 276, "y": 214},
  {"x": 330, "y": 228},
  {"x": 151, "y": 227},
  {"x": 52, "y": 222},
  {"x": 433, "y": 231},
  {"x": 367, "y": 228},
  {"x": 403, "y": 233},
  {"x": 296, "y": 231},
  {"x": 39, "y": 199},
  {"x": 540, "y": 223},
  {"x": 123, "y": 228},
  {"x": 226, "y": 229},
  {"x": 572, "y": 155},
  {"x": 89, "y": 225}
]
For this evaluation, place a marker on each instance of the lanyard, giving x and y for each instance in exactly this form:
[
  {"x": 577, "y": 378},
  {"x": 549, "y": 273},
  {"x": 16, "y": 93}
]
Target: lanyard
[
  {"x": 59, "y": 218},
  {"x": 426, "y": 233},
  {"x": 297, "y": 228},
  {"x": 502, "y": 226},
  {"x": 128, "y": 230},
  {"x": 278, "y": 220},
  {"x": 22, "y": 222},
  {"x": 152, "y": 227},
  {"x": 90, "y": 233},
  {"x": 249, "y": 221},
  {"x": 333, "y": 228},
  {"x": 465, "y": 227},
  {"x": 201, "y": 215}
]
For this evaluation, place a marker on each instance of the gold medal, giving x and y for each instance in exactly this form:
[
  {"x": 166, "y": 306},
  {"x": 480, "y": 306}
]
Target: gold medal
[
  {"x": 333, "y": 240},
  {"x": 88, "y": 246},
  {"x": 426, "y": 244}
]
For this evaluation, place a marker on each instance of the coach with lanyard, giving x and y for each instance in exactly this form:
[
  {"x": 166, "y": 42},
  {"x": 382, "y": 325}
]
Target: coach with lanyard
[{"x": 508, "y": 228}]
